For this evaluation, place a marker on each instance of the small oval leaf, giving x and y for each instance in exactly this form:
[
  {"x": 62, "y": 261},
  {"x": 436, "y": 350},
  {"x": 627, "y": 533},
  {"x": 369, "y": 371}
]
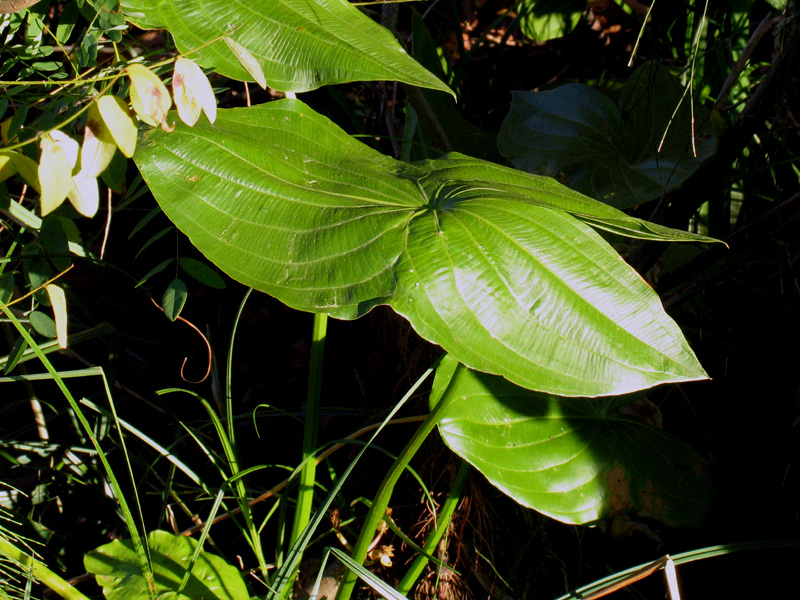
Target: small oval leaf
[
  {"x": 85, "y": 194},
  {"x": 7, "y": 167},
  {"x": 248, "y": 61},
  {"x": 42, "y": 324},
  {"x": 6, "y": 288},
  {"x": 98, "y": 144},
  {"x": 59, "y": 303},
  {"x": 25, "y": 168},
  {"x": 193, "y": 92},
  {"x": 59, "y": 155},
  {"x": 120, "y": 123},
  {"x": 174, "y": 299},
  {"x": 149, "y": 96},
  {"x": 202, "y": 273}
]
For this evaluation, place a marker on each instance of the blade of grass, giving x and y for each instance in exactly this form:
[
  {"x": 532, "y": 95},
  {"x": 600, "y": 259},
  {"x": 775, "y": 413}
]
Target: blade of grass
[
  {"x": 142, "y": 551},
  {"x": 284, "y": 579},
  {"x": 381, "y": 502},
  {"x": 239, "y": 489},
  {"x": 685, "y": 557},
  {"x": 202, "y": 540},
  {"x": 40, "y": 571},
  {"x": 383, "y": 588}
]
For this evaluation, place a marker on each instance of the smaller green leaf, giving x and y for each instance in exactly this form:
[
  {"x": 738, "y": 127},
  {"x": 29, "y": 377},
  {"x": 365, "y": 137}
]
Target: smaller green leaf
[
  {"x": 17, "y": 350},
  {"x": 15, "y": 124},
  {"x": 202, "y": 272},
  {"x": 7, "y": 166},
  {"x": 27, "y": 169},
  {"x": 116, "y": 568},
  {"x": 174, "y": 299},
  {"x": 42, "y": 324},
  {"x": 543, "y": 20},
  {"x": 6, "y": 288},
  {"x": 87, "y": 53},
  {"x": 153, "y": 239},
  {"x": 154, "y": 271},
  {"x": 46, "y": 66},
  {"x": 153, "y": 213},
  {"x": 66, "y": 22},
  {"x": 36, "y": 266},
  {"x": 53, "y": 237},
  {"x": 114, "y": 175},
  {"x": 248, "y": 61}
]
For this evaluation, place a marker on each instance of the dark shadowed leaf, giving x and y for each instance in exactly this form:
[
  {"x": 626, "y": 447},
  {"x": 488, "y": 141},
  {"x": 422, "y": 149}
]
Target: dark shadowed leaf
[
  {"x": 579, "y": 136},
  {"x": 202, "y": 272}
]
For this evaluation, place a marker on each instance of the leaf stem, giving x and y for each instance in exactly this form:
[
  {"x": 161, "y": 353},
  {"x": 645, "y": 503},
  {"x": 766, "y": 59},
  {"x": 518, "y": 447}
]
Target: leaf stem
[{"x": 305, "y": 494}]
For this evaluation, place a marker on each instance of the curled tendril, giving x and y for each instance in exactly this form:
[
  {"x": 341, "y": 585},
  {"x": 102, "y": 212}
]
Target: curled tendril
[{"x": 186, "y": 359}]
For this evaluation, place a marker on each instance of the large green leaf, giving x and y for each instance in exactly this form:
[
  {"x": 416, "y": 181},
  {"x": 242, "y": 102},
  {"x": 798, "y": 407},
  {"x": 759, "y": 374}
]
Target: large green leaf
[
  {"x": 116, "y": 568},
  {"x": 300, "y": 44},
  {"x": 497, "y": 266},
  {"x": 573, "y": 459},
  {"x": 623, "y": 155}
]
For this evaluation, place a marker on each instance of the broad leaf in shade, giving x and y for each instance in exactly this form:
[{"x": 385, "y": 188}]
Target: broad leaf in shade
[
  {"x": 572, "y": 459},
  {"x": 543, "y": 20},
  {"x": 497, "y": 266},
  {"x": 116, "y": 568},
  {"x": 299, "y": 45},
  {"x": 623, "y": 154}
]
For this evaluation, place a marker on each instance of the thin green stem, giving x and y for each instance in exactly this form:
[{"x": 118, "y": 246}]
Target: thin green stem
[
  {"x": 305, "y": 494},
  {"x": 442, "y": 523},
  {"x": 381, "y": 501}
]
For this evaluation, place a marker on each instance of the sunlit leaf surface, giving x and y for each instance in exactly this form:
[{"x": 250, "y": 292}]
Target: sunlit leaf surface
[
  {"x": 573, "y": 459},
  {"x": 117, "y": 570},
  {"x": 497, "y": 266},
  {"x": 299, "y": 45}
]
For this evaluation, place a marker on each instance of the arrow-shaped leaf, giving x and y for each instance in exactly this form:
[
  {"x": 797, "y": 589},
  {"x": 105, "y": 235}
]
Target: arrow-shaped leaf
[
  {"x": 497, "y": 266},
  {"x": 300, "y": 45}
]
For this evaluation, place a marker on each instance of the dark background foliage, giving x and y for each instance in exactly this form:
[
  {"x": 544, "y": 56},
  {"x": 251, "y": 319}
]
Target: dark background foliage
[{"x": 739, "y": 306}]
